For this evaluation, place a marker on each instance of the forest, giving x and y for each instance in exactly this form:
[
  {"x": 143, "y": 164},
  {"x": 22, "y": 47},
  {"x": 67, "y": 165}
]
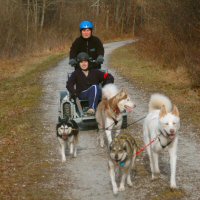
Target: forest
[{"x": 169, "y": 31}]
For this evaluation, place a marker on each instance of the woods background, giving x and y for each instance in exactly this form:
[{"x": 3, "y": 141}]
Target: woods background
[{"x": 169, "y": 30}]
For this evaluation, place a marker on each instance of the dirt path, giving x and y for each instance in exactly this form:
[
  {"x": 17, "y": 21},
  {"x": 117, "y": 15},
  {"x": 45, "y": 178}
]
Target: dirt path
[{"x": 86, "y": 177}]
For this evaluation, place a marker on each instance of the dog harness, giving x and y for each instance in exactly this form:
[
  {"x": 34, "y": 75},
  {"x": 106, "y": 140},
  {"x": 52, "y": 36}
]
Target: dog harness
[{"x": 164, "y": 146}]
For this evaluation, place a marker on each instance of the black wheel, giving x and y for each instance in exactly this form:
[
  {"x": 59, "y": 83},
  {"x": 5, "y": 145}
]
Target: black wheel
[
  {"x": 124, "y": 122},
  {"x": 66, "y": 111}
]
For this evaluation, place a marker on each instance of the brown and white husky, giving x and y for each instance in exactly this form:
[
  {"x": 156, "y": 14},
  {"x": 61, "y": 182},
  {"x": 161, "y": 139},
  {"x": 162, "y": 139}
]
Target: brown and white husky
[{"x": 110, "y": 109}]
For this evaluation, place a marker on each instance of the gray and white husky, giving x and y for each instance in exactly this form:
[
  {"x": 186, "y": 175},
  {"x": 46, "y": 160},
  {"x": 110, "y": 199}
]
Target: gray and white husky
[
  {"x": 67, "y": 133},
  {"x": 122, "y": 154},
  {"x": 162, "y": 124}
]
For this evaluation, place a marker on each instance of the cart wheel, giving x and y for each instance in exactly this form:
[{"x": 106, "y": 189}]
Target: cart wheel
[
  {"x": 124, "y": 122},
  {"x": 66, "y": 111}
]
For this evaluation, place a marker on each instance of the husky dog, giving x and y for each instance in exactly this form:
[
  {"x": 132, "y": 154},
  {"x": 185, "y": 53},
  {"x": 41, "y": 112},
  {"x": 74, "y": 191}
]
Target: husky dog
[
  {"x": 67, "y": 133},
  {"x": 110, "y": 109},
  {"x": 162, "y": 124},
  {"x": 122, "y": 154}
]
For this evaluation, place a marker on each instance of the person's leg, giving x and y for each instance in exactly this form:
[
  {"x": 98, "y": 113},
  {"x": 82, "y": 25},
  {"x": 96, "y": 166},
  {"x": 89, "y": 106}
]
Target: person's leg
[{"x": 93, "y": 95}]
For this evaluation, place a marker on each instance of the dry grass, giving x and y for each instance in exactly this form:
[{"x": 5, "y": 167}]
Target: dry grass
[
  {"x": 16, "y": 67},
  {"x": 151, "y": 78},
  {"x": 20, "y": 94}
]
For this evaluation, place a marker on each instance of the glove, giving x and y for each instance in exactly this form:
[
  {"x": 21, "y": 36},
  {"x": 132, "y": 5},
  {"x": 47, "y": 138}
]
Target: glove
[
  {"x": 100, "y": 59},
  {"x": 72, "y": 62},
  {"x": 73, "y": 96},
  {"x": 108, "y": 78}
]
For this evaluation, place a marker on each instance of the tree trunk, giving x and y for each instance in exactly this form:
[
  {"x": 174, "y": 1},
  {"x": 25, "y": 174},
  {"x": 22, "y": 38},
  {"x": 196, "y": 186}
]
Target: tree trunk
[
  {"x": 27, "y": 21},
  {"x": 107, "y": 18},
  {"x": 43, "y": 14},
  {"x": 35, "y": 10}
]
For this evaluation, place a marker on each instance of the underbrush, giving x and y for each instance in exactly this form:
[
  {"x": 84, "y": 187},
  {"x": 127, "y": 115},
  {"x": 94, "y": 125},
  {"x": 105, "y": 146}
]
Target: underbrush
[
  {"x": 164, "y": 49},
  {"x": 150, "y": 76}
]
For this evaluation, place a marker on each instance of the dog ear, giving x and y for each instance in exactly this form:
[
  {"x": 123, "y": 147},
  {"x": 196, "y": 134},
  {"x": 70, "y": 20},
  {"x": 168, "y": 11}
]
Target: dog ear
[
  {"x": 123, "y": 92},
  {"x": 74, "y": 124},
  {"x": 69, "y": 129},
  {"x": 163, "y": 111},
  {"x": 175, "y": 111},
  {"x": 57, "y": 128},
  {"x": 75, "y": 127},
  {"x": 124, "y": 147}
]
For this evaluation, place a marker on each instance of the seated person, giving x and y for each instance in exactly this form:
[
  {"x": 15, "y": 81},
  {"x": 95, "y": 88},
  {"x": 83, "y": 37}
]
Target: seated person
[{"x": 87, "y": 82}]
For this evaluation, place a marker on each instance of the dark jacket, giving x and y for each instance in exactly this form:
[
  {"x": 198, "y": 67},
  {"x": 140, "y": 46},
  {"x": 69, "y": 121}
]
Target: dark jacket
[
  {"x": 93, "y": 46},
  {"x": 83, "y": 82}
]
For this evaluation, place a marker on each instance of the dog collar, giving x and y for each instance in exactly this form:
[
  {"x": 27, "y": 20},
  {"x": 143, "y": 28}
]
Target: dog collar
[
  {"x": 117, "y": 111},
  {"x": 115, "y": 121},
  {"x": 164, "y": 146},
  {"x": 122, "y": 164}
]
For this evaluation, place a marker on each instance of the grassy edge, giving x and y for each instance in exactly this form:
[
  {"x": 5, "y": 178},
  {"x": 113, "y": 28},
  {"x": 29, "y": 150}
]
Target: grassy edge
[{"x": 20, "y": 137}]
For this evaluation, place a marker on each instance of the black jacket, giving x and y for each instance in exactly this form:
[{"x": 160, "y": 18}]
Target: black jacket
[
  {"x": 93, "y": 46},
  {"x": 83, "y": 82}
]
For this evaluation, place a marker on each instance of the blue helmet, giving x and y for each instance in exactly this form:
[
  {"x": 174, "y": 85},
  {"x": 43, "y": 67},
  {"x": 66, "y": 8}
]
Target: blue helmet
[{"x": 86, "y": 24}]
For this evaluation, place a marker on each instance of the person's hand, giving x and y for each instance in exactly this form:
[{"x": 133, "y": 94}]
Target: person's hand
[
  {"x": 100, "y": 59},
  {"x": 73, "y": 96},
  {"x": 72, "y": 62}
]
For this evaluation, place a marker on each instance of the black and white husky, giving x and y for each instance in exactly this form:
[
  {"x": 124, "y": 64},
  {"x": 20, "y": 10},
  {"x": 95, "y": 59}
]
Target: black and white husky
[
  {"x": 162, "y": 124},
  {"x": 67, "y": 133}
]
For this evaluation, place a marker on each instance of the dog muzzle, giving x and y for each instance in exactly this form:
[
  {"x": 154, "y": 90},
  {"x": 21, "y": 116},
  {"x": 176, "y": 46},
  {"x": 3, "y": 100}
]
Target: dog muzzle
[
  {"x": 64, "y": 136},
  {"x": 128, "y": 109}
]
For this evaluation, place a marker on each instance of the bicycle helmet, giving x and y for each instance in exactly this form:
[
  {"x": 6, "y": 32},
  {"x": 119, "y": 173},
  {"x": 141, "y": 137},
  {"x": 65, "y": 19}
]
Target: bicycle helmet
[
  {"x": 86, "y": 24},
  {"x": 82, "y": 57}
]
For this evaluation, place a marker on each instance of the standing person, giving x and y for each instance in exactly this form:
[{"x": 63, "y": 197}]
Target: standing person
[
  {"x": 88, "y": 43},
  {"x": 87, "y": 82}
]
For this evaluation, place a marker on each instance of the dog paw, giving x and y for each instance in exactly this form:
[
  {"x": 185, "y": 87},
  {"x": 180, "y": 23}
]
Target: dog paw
[
  {"x": 121, "y": 188},
  {"x": 173, "y": 186},
  {"x": 75, "y": 155},
  {"x": 130, "y": 184},
  {"x": 64, "y": 160},
  {"x": 155, "y": 176},
  {"x": 101, "y": 144},
  {"x": 115, "y": 191}
]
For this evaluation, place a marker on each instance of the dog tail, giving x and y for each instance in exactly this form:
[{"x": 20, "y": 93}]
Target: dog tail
[
  {"x": 158, "y": 100},
  {"x": 109, "y": 91}
]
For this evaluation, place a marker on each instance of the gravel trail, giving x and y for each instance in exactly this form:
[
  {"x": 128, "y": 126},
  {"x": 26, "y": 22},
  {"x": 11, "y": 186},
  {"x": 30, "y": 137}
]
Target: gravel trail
[{"x": 86, "y": 177}]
